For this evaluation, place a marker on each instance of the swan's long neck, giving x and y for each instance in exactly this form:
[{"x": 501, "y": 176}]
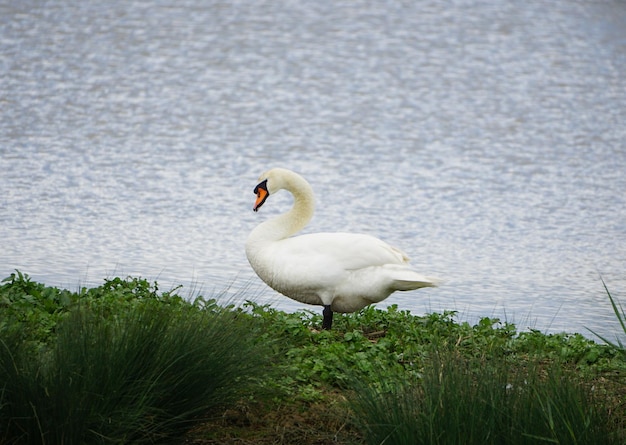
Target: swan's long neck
[{"x": 291, "y": 222}]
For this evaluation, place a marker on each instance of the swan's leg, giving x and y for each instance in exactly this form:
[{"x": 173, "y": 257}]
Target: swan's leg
[{"x": 327, "y": 323}]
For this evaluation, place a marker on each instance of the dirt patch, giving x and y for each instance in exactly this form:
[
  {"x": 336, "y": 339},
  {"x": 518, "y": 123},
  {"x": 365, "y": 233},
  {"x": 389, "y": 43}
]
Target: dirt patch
[{"x": 297, "y": 423}]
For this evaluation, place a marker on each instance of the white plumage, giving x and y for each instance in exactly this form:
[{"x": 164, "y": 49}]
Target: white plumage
[{"x": 343, "y": 272}]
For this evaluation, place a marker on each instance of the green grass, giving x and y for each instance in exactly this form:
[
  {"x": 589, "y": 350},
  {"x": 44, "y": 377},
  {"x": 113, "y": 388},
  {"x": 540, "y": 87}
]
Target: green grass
[
  {"x": 127, "y": 363},
  {"x": 460, "y": 400},
  {"x": 139, "y": 373}
]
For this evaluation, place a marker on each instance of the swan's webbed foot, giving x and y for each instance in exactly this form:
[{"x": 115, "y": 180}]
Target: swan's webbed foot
[{"x": 327, "y": 323}]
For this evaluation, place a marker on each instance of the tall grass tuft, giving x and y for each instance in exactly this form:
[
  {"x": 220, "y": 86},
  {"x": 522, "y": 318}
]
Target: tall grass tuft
[
  {"x": 138, "y": 375},
  {"x": 461, "y": 400},
  {"x": 620, "y": 314}
]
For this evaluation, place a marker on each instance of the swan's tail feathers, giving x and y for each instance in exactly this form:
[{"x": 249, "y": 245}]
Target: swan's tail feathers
[
  {"x": 404, "y": 279},
  {"x": 416, "y": 284}
]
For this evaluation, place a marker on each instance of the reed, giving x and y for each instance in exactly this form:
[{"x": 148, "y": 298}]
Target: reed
[{"x": 620, "y": 314}]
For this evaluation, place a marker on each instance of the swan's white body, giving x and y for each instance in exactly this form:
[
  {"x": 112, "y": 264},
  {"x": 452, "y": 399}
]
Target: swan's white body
[{"x": 343, "y": 272}]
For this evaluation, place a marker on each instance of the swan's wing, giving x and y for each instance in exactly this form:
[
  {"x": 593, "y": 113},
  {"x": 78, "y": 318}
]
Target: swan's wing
[{"x": 350, "y": 251}]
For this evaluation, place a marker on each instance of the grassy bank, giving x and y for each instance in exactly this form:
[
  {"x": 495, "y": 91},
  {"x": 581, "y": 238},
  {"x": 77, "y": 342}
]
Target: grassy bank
[{"x": 127, "y": 363}]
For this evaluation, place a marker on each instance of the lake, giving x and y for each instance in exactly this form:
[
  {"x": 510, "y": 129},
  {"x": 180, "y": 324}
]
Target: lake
[{"x": 484, "y": 138}]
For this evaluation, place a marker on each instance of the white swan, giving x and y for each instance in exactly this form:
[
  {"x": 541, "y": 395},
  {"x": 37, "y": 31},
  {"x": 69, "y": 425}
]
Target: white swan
[{"x": 343, "y": 272}]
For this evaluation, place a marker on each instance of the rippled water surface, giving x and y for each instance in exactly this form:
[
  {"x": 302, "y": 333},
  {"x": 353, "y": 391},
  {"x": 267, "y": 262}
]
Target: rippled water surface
[{"x": 484, "y": 138}]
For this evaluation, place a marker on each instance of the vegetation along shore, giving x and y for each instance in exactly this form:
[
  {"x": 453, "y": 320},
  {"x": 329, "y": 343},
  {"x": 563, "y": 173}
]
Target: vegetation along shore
[{"x": 127, "y": 363}]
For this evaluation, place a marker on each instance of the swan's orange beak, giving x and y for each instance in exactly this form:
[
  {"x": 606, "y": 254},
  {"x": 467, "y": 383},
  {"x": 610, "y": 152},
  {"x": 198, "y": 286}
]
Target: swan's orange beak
[{"x": 261, "y": 195}]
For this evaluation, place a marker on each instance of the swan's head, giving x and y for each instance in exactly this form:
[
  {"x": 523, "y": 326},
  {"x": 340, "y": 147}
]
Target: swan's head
[
  {"x": 277, "y": 179},
  {"x": 269, "y": 183}
]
